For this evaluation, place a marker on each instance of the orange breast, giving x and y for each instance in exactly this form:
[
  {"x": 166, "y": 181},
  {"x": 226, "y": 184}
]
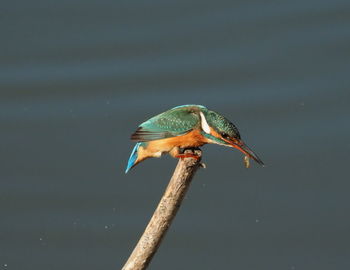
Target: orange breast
[
  {"x": 191, "y": 139},
  {"x": 154, "y": 148}
]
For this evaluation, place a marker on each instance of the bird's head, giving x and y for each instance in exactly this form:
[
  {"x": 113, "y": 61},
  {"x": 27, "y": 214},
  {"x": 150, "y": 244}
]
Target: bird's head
[{"x": 221, "y": 131}]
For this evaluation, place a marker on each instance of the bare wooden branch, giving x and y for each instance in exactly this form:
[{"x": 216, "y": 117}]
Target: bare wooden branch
[{"x": 165, "y": 213}]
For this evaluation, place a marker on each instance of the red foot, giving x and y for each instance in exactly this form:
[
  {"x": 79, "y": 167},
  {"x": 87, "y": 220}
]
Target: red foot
[{"x": 187, "y": 156}]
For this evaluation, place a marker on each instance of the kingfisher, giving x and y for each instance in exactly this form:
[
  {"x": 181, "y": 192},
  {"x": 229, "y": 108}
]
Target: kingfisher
[{"x": 186, "y": 126}]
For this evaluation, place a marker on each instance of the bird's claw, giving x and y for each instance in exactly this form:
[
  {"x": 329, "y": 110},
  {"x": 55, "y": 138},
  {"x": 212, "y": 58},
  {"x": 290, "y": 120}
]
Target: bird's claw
[{"x": 195, "y": 153}]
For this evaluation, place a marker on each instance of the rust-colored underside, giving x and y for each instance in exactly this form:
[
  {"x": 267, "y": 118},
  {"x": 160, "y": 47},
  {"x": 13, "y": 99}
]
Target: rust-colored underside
[{"x": 171, "y": 145}]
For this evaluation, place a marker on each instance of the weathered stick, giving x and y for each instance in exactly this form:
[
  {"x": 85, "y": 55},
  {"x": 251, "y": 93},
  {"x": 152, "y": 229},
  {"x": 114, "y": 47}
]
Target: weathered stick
[{"x": 164, "y": 214}]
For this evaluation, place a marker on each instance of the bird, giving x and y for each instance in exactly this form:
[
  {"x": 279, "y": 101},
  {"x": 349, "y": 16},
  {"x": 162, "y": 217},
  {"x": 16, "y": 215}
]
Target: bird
[{"x": 183, "y": 127}]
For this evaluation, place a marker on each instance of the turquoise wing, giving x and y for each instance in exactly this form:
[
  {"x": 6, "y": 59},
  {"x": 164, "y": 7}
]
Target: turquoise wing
[{"x": 175, "y": 122}]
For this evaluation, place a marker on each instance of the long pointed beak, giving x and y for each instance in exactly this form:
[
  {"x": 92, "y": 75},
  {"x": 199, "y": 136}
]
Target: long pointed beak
[{"x": 241, "y": 146}]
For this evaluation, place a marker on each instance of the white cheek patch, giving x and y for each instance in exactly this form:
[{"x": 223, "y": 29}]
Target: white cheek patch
[{"x": 204, "y": 123}]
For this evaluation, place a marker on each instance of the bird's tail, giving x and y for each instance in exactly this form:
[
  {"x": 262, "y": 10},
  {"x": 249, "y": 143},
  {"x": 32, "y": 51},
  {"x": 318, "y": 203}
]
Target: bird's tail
[{"x": 133, "y": 158}]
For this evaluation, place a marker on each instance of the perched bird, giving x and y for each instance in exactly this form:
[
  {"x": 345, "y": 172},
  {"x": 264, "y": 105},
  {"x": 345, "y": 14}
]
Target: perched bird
[{"x": 187, "y": 126}]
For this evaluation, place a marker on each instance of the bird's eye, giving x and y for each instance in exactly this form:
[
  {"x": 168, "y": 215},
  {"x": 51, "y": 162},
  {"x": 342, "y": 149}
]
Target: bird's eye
[{"x": 225, "y": 135}]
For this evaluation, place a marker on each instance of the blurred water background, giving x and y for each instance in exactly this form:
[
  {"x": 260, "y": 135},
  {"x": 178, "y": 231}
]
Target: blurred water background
[{"x": 76, "y": 79}]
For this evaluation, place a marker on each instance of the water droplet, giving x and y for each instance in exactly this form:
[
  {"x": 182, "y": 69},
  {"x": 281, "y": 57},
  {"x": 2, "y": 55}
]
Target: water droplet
[{"x": 257, "y": 220}]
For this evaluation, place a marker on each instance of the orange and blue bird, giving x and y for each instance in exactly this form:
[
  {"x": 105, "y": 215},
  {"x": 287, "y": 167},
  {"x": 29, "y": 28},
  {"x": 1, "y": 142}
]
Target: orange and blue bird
[{"x": 182, "y": 127}]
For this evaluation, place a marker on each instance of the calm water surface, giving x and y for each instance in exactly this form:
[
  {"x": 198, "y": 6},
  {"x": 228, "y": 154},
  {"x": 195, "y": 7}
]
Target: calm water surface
[{"x": 76, "y": 78}]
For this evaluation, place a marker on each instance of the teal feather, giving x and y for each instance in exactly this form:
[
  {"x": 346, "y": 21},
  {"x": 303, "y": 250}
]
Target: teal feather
[
  {"x": 172, "y": 123},
  {"x": 133, "y": 157},
  {"x": 183, "y": 119}
]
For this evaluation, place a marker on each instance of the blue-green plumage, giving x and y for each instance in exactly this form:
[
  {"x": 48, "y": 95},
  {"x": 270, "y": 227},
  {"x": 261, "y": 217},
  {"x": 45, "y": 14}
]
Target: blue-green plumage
[
  {"x": 174, "y": 122},
  {"x": 133, "y": 156},
  {"x": 182, "y": 120}
]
